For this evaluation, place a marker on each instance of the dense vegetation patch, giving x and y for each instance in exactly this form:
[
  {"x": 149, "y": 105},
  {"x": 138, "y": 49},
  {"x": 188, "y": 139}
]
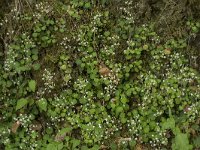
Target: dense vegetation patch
[{"x": 92, "y": 75}]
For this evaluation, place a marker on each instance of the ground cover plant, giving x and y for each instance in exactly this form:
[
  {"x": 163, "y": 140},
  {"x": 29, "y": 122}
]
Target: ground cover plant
[{"x": 100, "y": 74}]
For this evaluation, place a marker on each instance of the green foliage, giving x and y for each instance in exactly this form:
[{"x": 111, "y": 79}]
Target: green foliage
[
  {"x": 32, "y": 85},
  {"x": 181, "y": 142},
  {"x": 42, "y": 104},
  {"x": 87, "y": 75},
  {"x": 21, "y": 103},
  {"x": 55, "y": 146},
  {"x": 196, "y": 142},
  {"x": 169, "y": 124}
]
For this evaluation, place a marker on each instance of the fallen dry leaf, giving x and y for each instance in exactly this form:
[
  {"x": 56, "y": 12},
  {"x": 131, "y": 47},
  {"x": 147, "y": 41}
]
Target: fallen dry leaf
[
  {"x": 104, "y": 71},
  {"x": 138, "y": 147},
  {"x": 192, "y": 132},
  {"x": 15, "y": 126},
  {"x": 167, "y": 51},
  {"x": 103, "y": 147}
]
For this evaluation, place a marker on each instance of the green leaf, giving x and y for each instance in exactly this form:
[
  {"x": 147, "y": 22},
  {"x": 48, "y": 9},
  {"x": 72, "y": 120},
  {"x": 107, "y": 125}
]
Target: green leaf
[
  {"x": 196, "y": 141},
  {"x": 169, "y": 124},
  {"x": 107, "y": 33},
  {"x": 42, "y": 104},
  {"x": 31, "y": 102},
  {"x": 95, "y": 147},
  {"x": 181, "y": 142},
  {"x": 36, "y": 66},
  {"x": 62, "y": 30},
  {"x": 35, "y": 57},
  {"x": 60, "y": 136},
  {"x": 75, "y": 143},
  {"x": 63, "y": 67},
  {"x": 51, "y": 147},
  {"x": 132, "y": 143},
  {"x": 35, "y": 35},
  {"x": 124, "y": 100},
  {"x": 87, "y": 5},
  {"x": 60, "y": 146},
  {"x": 119, "y": 110},
  {"x": 65, "y": 130},
  {"x": 84, "y": 147},
  {"x": 32, "y": 85},
  {"x": 113, "y": 146},
  {"x": 21, "y": 103}
]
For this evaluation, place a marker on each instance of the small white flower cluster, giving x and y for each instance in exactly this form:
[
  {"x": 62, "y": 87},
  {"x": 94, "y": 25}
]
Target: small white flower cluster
[
  {"x": 13, "y": 16},
  {"x": 115, "y": 39},
  {"x": 63, "y": 110},
  {"x": 81, "y": 39},
  {"x": 65, "y": 42},
  {"x": 192, "y": 111},
  {"x": 158, "y": 113},
  {"x": 15, "y": 13},
  {"x": 110, "y": 46},
  {"x": 100, "y": 129},
  {"x": 24, "y": 119},
  {"x": 150, "y": 81},
  {"x": 10, "y": 60},
  {"x": 43, "y": 7},
  {"x": 111, "y": 87},
  {"x": 6, "y": 141},
  {"x": 108, "y": 51},
  {"x": 74, "y": 119},
  {"x": 80, "y": 85},
  {"x": 134, "y": 127},
  {"x": 4, "y": 131},
  {"x": 59, "y": 102},
  {"x": 48, "y": 79},
  {"x": 96, "y": 21},
  {"x": 1, "y": 23},
  {"x": 29, "y": 142},
  {"x": 158, "y": 139},
  {"x": 14, "y": 51},
  {"x": 127, "y": 10},
  {"x": 34, "y": 145}
]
